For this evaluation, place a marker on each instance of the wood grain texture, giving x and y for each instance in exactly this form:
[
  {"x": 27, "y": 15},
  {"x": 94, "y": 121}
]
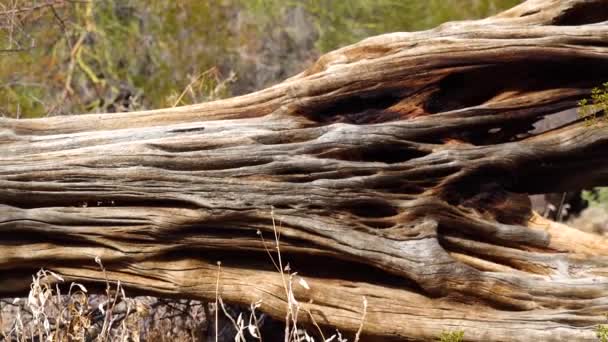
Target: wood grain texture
[{"x": 398, "y": 169}]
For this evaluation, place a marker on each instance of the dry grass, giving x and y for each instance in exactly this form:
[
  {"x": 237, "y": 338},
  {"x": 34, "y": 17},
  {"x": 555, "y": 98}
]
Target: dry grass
[
  {"x": 293, "y": 332},
  {"x": 48, "y": 314}
]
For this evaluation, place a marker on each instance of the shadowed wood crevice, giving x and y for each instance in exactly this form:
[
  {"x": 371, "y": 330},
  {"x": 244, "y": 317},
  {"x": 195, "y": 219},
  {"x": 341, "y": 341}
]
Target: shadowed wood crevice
[
  {"x": 397, "y": 168},
  {"x": 588, "y": 12}
]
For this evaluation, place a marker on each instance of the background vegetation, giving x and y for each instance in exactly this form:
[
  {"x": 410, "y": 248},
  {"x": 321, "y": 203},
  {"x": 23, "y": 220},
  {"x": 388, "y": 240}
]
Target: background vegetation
[{"x": 62, "y": 57}]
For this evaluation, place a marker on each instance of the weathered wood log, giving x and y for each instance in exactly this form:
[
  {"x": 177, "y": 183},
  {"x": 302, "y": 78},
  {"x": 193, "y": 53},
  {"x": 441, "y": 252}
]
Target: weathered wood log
[{"x": 398, "y": 169}]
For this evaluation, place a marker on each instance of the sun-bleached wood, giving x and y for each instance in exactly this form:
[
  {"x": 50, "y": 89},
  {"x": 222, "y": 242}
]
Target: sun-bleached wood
[{"x": 397, "y": 169}]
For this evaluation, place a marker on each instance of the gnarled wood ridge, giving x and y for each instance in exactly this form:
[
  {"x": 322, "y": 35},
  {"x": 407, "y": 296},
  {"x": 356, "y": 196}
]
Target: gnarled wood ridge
[{"x": 398, "y": 168}]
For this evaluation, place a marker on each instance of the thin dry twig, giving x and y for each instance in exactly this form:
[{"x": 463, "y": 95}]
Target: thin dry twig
[
  {"x": 17, "y": 10},
  {"x": 217, "y": 290},
  {"x": 358, "y": 335}
]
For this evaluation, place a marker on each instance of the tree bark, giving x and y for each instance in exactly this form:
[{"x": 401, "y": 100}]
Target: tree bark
[{"x": 396, "y": 169}]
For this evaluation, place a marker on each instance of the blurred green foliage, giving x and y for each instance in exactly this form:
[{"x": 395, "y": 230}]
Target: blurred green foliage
[
  {"x": 597, "y": 197},
  {"x": 61, "y": 57},
  {"x": 602, "y": 332},
  {"x": 589, "y": 109},
  {"x": 339, "y": 23},
  {"x": 105, "y": 54},
  {"x": 452, "y": 336}
]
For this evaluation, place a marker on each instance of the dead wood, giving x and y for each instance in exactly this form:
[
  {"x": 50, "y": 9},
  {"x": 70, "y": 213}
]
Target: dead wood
[{"x": 398, "y": 168}]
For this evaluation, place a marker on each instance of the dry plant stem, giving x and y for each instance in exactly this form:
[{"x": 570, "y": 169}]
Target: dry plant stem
[
  {"x": 398, "y": 168},
  {"x": 358, "y": 334},
  {"x": 60, "y": 318},
  {"x": 205, "y": 73},
  {"x": 289, "y": 313},
  {"x": 43, "y": 5},
  {"x": 316, "y": 325},
  {"x": 217, "y": 291},
  {"x": 256, "y": 322}
]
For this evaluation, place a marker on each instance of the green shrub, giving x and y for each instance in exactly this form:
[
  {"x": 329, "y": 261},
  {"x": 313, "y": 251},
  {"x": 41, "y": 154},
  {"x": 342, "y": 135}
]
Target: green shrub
[
  {"x": 597, "y": 197},
  {"x": 602, "y": 332},
  {"x": 590, "y": 108},
  {"x": 452, "y": 336}
]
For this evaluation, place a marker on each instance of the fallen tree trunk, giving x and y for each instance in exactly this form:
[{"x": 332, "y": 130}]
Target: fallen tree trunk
[{"x": 397, "y": 169}]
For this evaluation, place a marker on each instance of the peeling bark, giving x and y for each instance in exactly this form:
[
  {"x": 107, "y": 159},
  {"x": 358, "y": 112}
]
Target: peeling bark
[{"x": 398, "y": 168}]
